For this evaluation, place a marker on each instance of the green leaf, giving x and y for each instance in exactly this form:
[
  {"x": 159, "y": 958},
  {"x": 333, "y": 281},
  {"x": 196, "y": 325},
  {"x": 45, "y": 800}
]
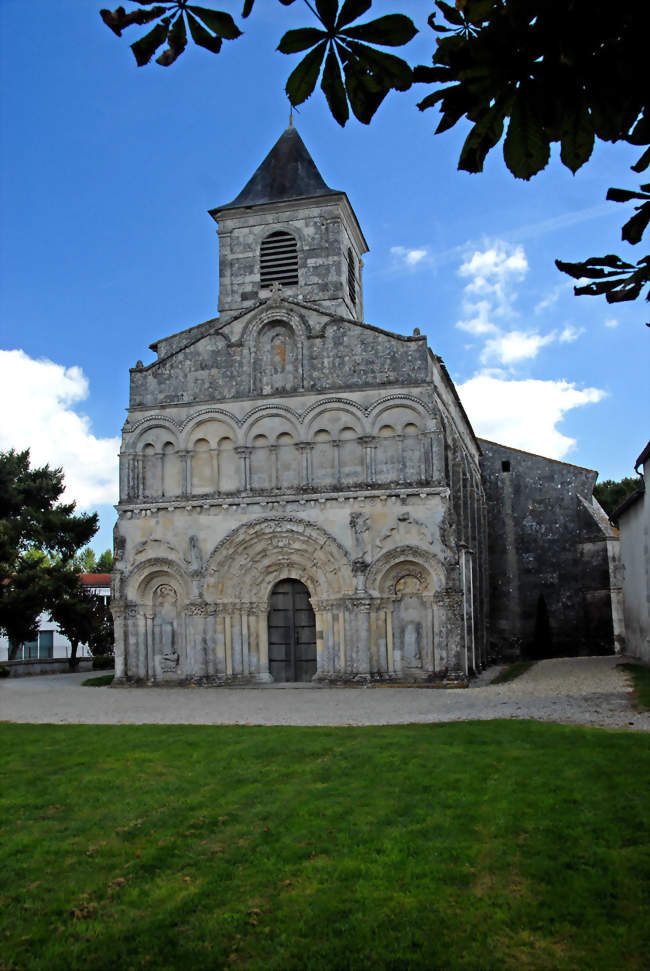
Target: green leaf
[
  {"x": 248, "y": 6},
  {"x": 422, "y": 74},
  {"x": 390, "y": 31},
  {"x": 450, "y": 13},
  {"x": 643, "y": 162},
  {"x": 526, "y": 149},
  {"x": 389, "y": 71},
  {"x": 577, "y": 138},
  {"x": 333, "y": 89},
  {"x": 350, "y": 10},
  {"x": 596, "y": 267},
  {"x": 625, "y": 195},
  {"x": 299, "y": 40},
  {"x": 302, "y": 80},
  {"x": 635, "y": 227},
  {"x": 118, "y": 20},
  {"x": 219, "y": 22},
  {"x": 201, "y": 36},
  {"x": 146, "y": 47},
  {"x": 176, "y": 41},
  {"x": 483, "y": 136},
  {"x": 364, "y": 94},
  {"x": 327, "y": 10}
]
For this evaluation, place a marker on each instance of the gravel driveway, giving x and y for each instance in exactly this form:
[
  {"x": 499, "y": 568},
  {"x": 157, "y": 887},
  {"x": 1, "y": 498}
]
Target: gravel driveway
[{"x": 577, "y": 691}]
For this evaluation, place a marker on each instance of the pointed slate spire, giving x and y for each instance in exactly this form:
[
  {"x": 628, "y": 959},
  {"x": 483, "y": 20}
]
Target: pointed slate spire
[{"x": 287, "y": 172}]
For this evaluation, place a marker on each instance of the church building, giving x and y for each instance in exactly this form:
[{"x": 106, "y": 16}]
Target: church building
[{"x": 301, "y": 493}]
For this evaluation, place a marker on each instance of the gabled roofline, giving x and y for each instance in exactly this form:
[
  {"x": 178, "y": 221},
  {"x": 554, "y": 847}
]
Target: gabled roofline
[{"x": 536, "y": 455}]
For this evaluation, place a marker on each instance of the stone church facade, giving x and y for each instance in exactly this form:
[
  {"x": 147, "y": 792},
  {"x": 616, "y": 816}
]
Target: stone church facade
[{"x": 301, "y": 495}]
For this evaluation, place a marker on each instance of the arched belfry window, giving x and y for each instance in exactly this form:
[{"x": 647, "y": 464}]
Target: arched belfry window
[
  {"x": 352, "y": 278},
  {"x": 278, "y": 260}
]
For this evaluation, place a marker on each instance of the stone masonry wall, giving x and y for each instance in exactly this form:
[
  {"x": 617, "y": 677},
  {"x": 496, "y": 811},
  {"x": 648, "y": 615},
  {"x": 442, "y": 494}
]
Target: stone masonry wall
[{"x": 548, "y": 557}]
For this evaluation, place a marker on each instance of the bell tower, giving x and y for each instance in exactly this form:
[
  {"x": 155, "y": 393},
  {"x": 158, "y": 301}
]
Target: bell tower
[{"x": 288, "y": 229}]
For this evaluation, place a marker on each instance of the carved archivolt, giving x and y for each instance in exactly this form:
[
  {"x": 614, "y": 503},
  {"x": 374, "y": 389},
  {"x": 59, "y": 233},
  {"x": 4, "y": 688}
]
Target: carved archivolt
[
  {"x": 249, "y": 561},
  {"x": 390, "y": 568},
  {"x": 142, "y": 581}
]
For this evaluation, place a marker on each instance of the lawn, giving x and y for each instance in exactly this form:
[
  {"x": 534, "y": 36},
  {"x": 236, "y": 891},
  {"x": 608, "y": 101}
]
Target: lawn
[{"x": 471, "y": 845}]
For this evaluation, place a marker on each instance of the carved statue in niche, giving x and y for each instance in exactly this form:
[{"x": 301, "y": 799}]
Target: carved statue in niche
[
  {"x": 410, "y": 614},
  {"x": 195, "y": 555},
  {"x": 278, "y": 358},
  {"x": 165, "y": 612},
  {"x": 360, "y": 526}
]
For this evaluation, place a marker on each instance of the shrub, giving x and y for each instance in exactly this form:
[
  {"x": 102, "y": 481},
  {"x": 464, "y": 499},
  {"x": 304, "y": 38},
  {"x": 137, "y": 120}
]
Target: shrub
[
  {"x": 103, "y": 662},
  {"x": 4, "y": 671}
]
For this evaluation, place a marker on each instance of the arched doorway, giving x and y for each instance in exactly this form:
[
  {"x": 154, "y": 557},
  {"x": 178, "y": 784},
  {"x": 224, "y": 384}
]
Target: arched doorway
[{"x": 292, "y": 633}]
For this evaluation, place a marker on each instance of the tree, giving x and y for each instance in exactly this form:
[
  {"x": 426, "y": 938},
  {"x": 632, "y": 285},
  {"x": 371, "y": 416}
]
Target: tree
[
  {"x": 88, "y": 562},
  {"x": 105, "y": 562},
  {"x": 610, "y": 493},
  {"x": 83, "y": 618},
  {"x": 39, "y": 538},
  {"x": 540, "y": 71}
]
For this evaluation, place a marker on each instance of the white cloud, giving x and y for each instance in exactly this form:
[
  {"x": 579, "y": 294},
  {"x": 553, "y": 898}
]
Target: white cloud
[
  {"x": 411, "y": 257},
  {"x": 612, "y": 322},
  {"x": 37, "y": 398},
  {"x": 492, "y": 273},
  {"x": 479, "y": 323},
  {"x": 570, "y": 334},
  {"x": 524, "y": 413},
  {"x": 493, "y": 276},
  {"x": 514, "y": 346}
]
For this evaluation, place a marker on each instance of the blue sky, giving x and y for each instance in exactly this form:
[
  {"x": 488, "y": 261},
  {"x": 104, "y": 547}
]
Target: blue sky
[{"x": 108, "y": 171}]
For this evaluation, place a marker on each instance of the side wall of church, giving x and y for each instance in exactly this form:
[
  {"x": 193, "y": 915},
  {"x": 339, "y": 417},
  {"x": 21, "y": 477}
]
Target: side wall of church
[{"x": 551, "y": 558}]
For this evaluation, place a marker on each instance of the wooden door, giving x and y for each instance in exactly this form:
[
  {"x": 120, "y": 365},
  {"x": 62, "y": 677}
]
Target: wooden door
[{"x": 292, "y": 633}]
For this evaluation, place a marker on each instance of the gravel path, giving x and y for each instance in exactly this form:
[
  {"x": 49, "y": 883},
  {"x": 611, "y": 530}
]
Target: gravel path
[{"x": 576, "y": 691}]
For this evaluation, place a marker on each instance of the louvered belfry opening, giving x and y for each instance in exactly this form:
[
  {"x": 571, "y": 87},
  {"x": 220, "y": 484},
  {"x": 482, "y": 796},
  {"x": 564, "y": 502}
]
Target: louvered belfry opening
[
  {"x": 278, "y": 260},
  {"x": 352, "y": 282}
]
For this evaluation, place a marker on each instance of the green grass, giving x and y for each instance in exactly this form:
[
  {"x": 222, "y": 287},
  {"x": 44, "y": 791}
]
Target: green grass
[
  {"x": 513, "y": 671},
  {"x": 99, "y": 682},
  {"x": 640, "y": 674},
  {"x": 472, "y": 845}
]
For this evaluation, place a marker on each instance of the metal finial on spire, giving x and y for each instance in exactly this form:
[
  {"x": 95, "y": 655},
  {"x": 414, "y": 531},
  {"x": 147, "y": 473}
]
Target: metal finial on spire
[{"x": 291, "y": 117}]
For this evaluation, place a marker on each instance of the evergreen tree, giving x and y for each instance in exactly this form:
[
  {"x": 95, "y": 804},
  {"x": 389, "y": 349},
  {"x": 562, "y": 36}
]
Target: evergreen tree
[{"x": 39, "y": 539}]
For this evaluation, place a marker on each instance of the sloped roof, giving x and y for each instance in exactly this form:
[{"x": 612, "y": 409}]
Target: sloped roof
[{"x": 287, "y": 172}]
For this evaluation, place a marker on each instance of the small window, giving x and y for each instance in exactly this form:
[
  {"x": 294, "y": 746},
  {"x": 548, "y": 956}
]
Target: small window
[
  {"x": 352, "y": 278},
  {"x": 278, "y": 260},
  {"x": 505, "y": 466}
]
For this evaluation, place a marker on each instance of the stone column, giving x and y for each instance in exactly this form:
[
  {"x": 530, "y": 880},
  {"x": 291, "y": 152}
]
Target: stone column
[
  {"x": 236, "y": 643},
  {"x": 220, "y": 643},
  {"x": 261, "y": 614},
  {"x": 306, "y": 463},
  {"x": 118, "y": 611},
  {"x": 227, "y": 623},
  {"x": 390, "y": 657},
  {"x": 195, "y": 612},
  {"x": 336, "y": 445},
  {"x": 449, "y": 606},
  {"x": 244, "y": 453},
  {"x": 148, "y": 627},
  {"x": 273, "y": 464},
  {"x": 342, "y": 660},
  {"x": 186, "y": 472},
  {"x": 428, "y": 648},
  {"x": 382, "y": 656},
  {"x": 210, "y": 639},
  {"x": 368, "y": 443},
  {"x": 362, "y": 610},
  {"x": 245, "y": 661},
  {"x": 402, "y": 463}
]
